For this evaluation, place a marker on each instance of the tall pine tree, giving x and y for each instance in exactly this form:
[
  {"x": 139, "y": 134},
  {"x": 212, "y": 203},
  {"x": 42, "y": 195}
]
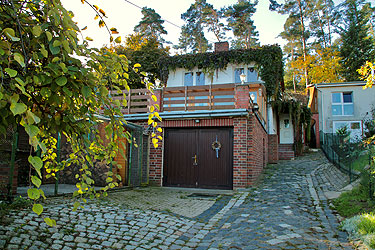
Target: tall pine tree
[
  {"x": 192, "y": 35},
  {"x": 239, "y": 17},
  {"x": 357, "y": 45},
  {"x": 151, "y": 25}
]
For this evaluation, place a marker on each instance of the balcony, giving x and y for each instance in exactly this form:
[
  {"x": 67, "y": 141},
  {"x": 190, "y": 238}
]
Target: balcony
[{"x": 195, "y": 98}]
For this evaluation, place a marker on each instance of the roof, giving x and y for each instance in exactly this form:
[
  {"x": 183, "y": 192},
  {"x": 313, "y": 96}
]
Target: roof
[{"x": 339, "y": 84}]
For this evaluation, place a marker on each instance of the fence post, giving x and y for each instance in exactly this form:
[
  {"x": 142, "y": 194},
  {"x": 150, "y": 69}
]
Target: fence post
[
  {"x": 12, "y": 162},
  {"x": 58, "y": 159}
]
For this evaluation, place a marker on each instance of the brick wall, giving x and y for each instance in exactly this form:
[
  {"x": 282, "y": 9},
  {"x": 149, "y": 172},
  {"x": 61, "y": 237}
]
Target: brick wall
[
  {"x": 273, "y": 148},
  {"x": 317, "y": 133},
  {"x": 240, "y": 150},
  {"x": 257, "y": 150}
]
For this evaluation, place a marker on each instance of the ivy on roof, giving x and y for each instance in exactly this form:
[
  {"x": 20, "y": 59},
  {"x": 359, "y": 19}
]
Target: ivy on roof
[{"x": 268, "y": 60}]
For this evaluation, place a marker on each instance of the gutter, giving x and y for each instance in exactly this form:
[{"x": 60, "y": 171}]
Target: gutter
[{"x": 190, "y": 114}]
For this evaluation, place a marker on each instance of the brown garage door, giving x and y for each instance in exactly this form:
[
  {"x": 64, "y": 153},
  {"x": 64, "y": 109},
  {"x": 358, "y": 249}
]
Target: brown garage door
[{"x": 191, "y": 161}]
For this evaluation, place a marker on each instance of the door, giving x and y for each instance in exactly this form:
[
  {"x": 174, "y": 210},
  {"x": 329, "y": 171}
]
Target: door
[{"x": 199, "y": 158}]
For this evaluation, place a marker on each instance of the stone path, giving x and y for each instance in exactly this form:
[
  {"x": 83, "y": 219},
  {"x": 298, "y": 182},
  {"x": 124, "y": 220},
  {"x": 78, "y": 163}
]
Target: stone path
[{"x": 286, "y": 211}]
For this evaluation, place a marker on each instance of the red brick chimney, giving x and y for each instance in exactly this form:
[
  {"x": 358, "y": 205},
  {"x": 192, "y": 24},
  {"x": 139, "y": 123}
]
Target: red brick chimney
[{"x": 221, "y": 46}]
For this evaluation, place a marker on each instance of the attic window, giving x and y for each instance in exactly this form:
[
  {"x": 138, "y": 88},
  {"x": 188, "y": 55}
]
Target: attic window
[
  {"x": 199, "y": 79},
  {"x": 252, "y": 75},
  {"x": 237, "y": 73},
  {"x": 188, "y": 79}
]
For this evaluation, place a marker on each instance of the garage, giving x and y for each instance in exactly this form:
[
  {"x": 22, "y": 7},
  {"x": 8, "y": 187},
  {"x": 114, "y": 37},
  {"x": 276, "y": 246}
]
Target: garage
[{"x": 198, "y": 158}]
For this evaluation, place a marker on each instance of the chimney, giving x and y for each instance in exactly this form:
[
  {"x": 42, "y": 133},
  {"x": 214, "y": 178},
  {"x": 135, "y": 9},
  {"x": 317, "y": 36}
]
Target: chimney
[{"x": 221, "y": 46}]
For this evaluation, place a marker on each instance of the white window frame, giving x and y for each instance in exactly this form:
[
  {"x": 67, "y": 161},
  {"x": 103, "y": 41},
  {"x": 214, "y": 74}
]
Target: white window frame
[
  {"x": 245, "y": 71},
  {"x": 194, "y": 76},
  {"x": 342, "y": 103}
]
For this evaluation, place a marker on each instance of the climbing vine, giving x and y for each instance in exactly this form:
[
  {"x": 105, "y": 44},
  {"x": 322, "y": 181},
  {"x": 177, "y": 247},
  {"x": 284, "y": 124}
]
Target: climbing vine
[{"x": 268, "y": 60}]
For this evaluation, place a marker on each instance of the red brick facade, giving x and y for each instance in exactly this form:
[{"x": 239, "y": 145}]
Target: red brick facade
[
  {"x": 315, "y": 117},
  {"x": 273, "y": 148}
]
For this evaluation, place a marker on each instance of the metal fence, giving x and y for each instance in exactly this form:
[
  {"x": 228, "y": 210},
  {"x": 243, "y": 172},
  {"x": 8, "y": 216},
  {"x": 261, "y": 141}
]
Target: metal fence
[{"x": 344, "y": 153}]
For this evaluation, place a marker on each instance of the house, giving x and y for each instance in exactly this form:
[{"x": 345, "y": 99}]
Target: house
[
  {"x": 336, "y": 105},
  {"x": 219, "y": 130}
]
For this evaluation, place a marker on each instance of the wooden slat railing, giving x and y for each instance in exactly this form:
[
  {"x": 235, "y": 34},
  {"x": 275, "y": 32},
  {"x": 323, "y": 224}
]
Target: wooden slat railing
[
  {"x": 138, "y": 100},
  {"x": 207, "y": 97},
  {"x": 187, "y": 98}
]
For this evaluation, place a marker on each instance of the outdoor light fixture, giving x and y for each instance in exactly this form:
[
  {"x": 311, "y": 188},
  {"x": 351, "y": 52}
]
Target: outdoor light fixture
[
  {"x": 260, "y": 92},
  {"x": 243, "y": 78},
  {"x": 157, "y": 83},
  {"x": 252, "y": 96},
  {"x": 255, "y": 107},
  {"x": 197, "y": 121}
]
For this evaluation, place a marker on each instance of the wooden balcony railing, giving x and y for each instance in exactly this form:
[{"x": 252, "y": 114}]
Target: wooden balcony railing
[
  {"x": 138, "y": 100},
  {"x": 190, "y": 98}
]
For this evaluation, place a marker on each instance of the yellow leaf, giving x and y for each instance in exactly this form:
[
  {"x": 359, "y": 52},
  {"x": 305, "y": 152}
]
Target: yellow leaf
[
  {"x": 102, "y": 12},
  {"x": 96, "y": 7},
  {"x": 160, "y": 130},
  {"x": 85, "y": 28},
  {"x": 137, "y": 65},
  {"x": 152, "y": 109},
  {"x": 118, "y": 39},
  {"x": 154, "y": 98}
]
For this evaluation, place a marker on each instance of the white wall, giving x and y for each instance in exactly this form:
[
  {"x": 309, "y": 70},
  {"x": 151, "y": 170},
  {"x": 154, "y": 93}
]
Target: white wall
[
  {"x": 176, "y": 78},
  {"x": 363, "y": 100}
]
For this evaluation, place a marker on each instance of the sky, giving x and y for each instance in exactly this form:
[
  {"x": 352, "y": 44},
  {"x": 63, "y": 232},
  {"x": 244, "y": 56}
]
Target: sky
[{"x": 124, "y": 16}]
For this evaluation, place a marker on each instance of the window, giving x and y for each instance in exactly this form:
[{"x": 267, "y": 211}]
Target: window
[
  {"x": 342, "y": 103},
  {"x": 354, "y": 127},
  {"x": 237, "y": 73},
  {"x": 188, "y": 79},
  {"x": 199, "y": 80},
  {"x": 252, "y": 75}
]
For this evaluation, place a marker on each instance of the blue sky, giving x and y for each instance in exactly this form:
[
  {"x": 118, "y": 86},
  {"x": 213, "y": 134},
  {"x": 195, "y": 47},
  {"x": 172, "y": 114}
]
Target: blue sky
[{"x": 125, "y": 16}]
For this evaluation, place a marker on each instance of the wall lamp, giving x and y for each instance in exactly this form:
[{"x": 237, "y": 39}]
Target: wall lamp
[{"x": 243, "y": 78}]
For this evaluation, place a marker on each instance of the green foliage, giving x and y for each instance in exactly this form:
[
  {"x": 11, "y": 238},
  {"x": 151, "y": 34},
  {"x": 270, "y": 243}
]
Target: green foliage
[
  {"x": 268, "y": 59},
  {"x": 47, "y": 90},
  {"x": 357, "y": 45},
  {"x": 146, "y": 52},
  {"x": 239, "y": 17},
  {"x": 354, "y": 202}
]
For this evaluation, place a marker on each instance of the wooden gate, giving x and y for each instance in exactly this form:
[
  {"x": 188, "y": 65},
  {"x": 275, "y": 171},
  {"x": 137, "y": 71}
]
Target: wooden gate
[{"x": 191, "y": 161}]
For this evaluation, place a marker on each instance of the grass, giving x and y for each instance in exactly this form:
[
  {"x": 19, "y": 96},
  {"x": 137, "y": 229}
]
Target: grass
[
  {"x": 354, "y": 202},
  {"x": 361, "y": 162}
]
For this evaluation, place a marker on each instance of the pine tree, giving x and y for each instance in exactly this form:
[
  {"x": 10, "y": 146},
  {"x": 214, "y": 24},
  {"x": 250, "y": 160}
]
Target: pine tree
[
  {"x": 357, "y": 45},
  {"x": 151, "y": 25},
  {"x": 192, "y": 32},
  {"x": 239, "y": 17}
]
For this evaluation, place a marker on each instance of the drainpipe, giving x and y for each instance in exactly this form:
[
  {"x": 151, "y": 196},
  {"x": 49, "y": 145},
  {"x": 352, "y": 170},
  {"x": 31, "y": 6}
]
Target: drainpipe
[
  {"x": 12, "y": 162},
  {"x": 130, "y": 159}
]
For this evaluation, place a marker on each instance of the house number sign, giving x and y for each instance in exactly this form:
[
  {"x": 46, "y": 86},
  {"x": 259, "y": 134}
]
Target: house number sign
[{"x": 216, "y": 145}]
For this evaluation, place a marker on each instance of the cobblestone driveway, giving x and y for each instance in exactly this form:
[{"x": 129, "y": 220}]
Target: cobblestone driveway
[{"x": 286, "y": 211}]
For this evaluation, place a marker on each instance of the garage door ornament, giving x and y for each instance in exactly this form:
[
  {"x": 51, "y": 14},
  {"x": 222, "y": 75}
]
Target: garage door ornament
[{"x": 216, "y": 145}]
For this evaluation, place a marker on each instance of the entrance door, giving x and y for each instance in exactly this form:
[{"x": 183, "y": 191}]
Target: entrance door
[{"x": 191, "y": 161}]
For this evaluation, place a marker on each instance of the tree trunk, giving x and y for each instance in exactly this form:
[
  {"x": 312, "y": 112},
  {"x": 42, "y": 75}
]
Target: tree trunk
[{"x": 303, "y": 41}]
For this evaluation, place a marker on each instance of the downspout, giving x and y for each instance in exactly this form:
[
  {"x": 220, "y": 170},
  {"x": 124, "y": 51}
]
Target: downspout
[
  {"x": 140, "y": 157},
  {"x": 130, "y": 159}
]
